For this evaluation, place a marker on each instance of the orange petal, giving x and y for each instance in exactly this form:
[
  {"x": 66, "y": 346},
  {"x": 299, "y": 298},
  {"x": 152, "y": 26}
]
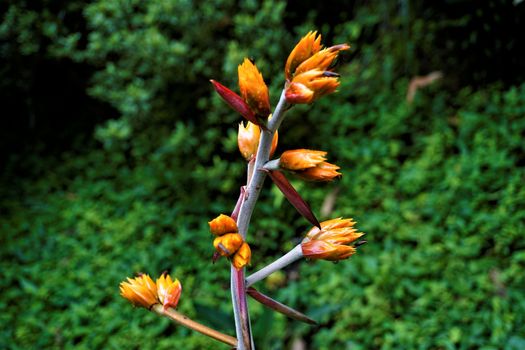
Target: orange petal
[
  {"x": 309, "y": 45},
  {"x": 222, "y": 224},
  {"x": 253, "y": 88},
  {"x": 242, "y": 257},
  {"x": 228, "y": 244},
  {"x": 300, "y": 159}
]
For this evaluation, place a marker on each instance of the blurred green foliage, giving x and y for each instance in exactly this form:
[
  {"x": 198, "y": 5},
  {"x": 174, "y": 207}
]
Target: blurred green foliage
[{"x": 436, "y": 185}]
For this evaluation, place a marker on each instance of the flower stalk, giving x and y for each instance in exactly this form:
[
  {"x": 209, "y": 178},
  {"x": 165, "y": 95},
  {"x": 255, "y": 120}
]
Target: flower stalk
[
  {"x": 183, "y": 320},
  {"x": 238, "y": 288},
  {"x": 292, "y": 256},
  {"x": 309, "y": 76}
]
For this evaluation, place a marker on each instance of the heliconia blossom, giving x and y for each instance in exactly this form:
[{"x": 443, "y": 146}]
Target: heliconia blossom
[
  {"x": 223, "y": 224},
  {"x": 309, "y": 45},
  {"x": 248, "y": 140},
  {"x": 308, "y": 164},
  {"x": 168, "y": 291},
  {"x": 242, "y": 257},
  {"x": 332, "y": 241},
  {"x": 140, "y": 291},
  {"x": 253, "y": 88},
  {"x": 228, "y": 244}
]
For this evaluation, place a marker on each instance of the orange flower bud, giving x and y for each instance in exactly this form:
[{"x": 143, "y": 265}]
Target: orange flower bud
[
  {"x": 242, "y": 257},
  {"x": 300, "y": 159},
  {"x": 331, "y": 242},
  {"x": 253, "y": 89},
  {"x": 228, "y": 244},
  {"x": 223, "y": 224},
  {"x": 309, "y": 165},
  {"x": 311, "y": 85},
  {"x": 248, "y": 140},
  {"x": 140, "y": 291},
  {"x": 326, "y": 251},
  {"x": 336, "y": 231},
  {"x": 168, "y": 291},
  {"x": 323, "y": 172},
  {"x": 309, "y": 45}
]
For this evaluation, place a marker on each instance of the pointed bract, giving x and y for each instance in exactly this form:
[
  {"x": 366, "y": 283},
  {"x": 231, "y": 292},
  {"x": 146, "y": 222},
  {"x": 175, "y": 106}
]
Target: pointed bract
[
  {"x": 293, "y": 196},
  {"x": 279, "y": 307},
  {"x": 237, "y": 103}
]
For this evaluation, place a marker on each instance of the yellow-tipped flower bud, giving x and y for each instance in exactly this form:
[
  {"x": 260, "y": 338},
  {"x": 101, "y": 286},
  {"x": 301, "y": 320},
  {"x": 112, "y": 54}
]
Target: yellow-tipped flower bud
[
  {"x": 228, "y": 244},
  {"x": 253, "y": 89},
  {"x": 248, "y": 140},
  {"x": 331, "y": 242},
  {"x": 223, "y": 224},
  {"x": 140, "y": 291},
  {"x": 242, "y": 257},
  {"x": 309, "y": 165},
  {"x": 168, "y": 291}
]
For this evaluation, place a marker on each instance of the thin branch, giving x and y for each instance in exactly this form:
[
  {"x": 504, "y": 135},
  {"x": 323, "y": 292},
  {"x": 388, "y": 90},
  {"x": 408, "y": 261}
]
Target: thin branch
[
  {"x": 293, "y": 255},
  {"x": 179, "y": 318}
]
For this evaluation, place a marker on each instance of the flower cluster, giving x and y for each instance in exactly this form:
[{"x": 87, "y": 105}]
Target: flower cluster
[
  {"x": 308, "y": 70},
  {"x": 142, "y": 291},
  {"x": 229, "y": 242},
  {"x": 332, "y": 241},
  {"x": 309, "y": 75}
]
